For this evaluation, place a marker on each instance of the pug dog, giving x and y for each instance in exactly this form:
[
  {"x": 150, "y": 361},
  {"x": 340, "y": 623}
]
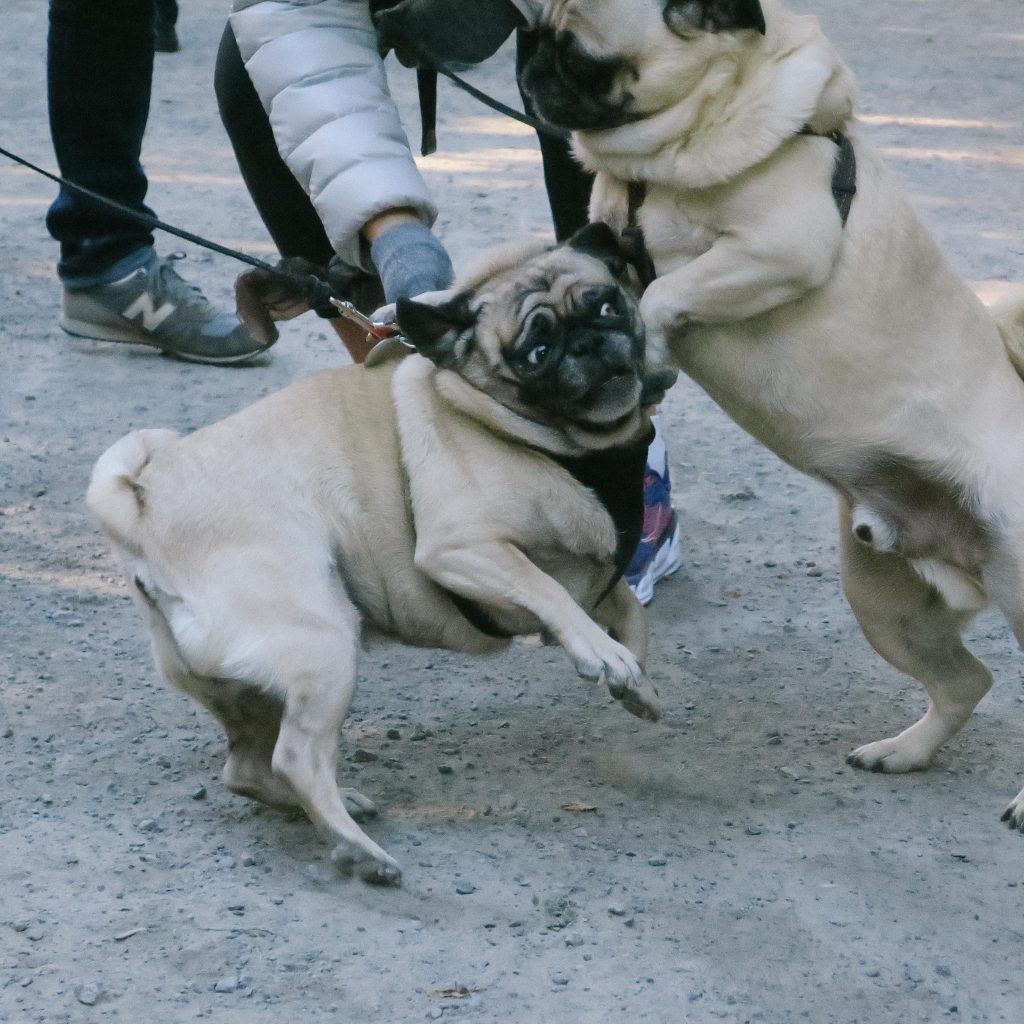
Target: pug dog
[
  {"x": 487, "y": 485},
  {"x": 797, "y": 286}
]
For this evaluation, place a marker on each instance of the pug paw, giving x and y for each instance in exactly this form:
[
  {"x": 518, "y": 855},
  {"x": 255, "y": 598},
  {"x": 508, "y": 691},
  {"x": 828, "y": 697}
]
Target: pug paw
[
  {"x": 893, "y": 756},
  {"x": 375, "y": 868},
  {"x": 1014, "y": 814},
  {"x": 608, "y": 658},
  {"x": 640, "y": 700}
]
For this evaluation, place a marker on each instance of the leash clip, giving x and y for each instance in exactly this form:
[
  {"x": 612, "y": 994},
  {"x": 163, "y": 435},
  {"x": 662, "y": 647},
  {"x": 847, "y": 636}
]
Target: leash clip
[{"x": 375, "y": 332}]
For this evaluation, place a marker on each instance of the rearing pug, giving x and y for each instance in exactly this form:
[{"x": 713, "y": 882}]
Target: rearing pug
[
  {"x": 831, "y": 328},
  {"x": 490, "y": 485}
]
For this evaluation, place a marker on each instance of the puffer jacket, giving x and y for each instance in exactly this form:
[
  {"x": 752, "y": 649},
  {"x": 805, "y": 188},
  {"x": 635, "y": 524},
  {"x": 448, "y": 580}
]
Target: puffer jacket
[{"x": 318, "y": 73}]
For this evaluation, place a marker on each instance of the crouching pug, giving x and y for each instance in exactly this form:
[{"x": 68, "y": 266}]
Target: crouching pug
[
  {"x": 795, "y": 284},
  {"x": 487, "y": 486}
]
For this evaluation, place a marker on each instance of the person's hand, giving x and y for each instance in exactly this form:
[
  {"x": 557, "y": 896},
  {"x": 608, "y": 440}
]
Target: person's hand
[
  {"x": 450, "y": 33},
  {"x": 264, "y": 297},
  {"x": 295, "y": 286}
]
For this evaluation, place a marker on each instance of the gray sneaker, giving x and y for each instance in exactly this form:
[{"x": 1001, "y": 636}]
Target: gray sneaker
[{"x": 153, "y": 306}]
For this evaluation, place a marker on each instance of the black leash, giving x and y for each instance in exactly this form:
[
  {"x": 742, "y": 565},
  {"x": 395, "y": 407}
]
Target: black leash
[
  {"x": 427, "y": 87},
  {"x": 504, "y": 108},
  {"x": 140, "y": 218}
]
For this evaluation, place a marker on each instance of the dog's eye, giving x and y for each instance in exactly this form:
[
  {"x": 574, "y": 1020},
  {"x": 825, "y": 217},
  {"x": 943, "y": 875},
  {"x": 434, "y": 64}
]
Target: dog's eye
[
  {"x": 536, "y": 355},
  {"x": 607, "y": 309}
]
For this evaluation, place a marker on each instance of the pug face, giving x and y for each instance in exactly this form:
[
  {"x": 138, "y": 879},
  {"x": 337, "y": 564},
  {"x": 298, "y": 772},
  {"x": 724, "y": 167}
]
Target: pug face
[
  {"x": 600, "y": 64},
  {"x": 556, "y": 337}
]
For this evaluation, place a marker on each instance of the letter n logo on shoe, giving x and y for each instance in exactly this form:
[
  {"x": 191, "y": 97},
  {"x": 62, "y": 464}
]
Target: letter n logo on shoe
[{"x": 151, "y": 318}]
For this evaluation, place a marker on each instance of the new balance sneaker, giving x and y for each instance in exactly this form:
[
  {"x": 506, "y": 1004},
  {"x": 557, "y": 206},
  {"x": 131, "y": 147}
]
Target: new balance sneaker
[
  {"x": 152, "y": 305},
  {"x": 658, "y": 554}
]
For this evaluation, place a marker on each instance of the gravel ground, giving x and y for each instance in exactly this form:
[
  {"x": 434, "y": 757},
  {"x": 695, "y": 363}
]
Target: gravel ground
[{"x": 563, "y": 862}]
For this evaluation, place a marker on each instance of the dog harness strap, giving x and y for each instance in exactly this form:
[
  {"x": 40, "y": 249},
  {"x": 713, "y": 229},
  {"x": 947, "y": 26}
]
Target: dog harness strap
[
  {"x": 616, "y": 477},
  {"x": 844, "y": 177}
]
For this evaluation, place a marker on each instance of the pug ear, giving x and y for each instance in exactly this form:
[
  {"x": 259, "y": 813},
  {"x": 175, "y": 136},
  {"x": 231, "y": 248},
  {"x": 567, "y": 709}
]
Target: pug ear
[
  {"x": 598, "y": 240},
  {"x": 438, "y": 330},
  {"x": 684, "y": 16}
]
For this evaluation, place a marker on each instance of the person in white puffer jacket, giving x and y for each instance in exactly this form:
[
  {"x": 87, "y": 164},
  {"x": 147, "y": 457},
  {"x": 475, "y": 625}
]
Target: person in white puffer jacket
[
  {"x": 316, "y": 70},
  {"x": 304, "y": 97}
]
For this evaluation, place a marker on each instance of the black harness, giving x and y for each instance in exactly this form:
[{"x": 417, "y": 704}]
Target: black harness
[{"x": 634, "y": 248}]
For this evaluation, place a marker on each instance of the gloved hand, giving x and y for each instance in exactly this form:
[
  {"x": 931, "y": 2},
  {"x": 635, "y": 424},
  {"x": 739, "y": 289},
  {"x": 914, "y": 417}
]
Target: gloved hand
[
  {"x": 453, "y": 33},
  {"x": 297, "y": 285}
]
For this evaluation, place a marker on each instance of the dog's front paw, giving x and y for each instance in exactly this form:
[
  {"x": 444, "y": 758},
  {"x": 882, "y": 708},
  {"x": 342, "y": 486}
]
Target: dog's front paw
[
  {"x": 376, "y": 868},
  {"x": 1014, "y": 814},
  {"x": 600, "y": 655}
]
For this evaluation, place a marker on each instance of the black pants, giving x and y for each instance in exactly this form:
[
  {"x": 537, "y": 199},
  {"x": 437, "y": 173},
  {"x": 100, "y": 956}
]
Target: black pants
[
  {"x": 284, "y": 206},
  {"x": 99, "y": 72}
]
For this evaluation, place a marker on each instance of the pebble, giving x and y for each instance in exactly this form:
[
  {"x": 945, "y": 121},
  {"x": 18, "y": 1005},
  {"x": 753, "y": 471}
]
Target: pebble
[
  {"x": 148, "y": 825},
  {"x": 231, "y": 983},
  {"x": 199, "y": 793},
  {"x": 445, "y": 769},
  {"x": 575, "y": 939},
  {"x": 559, "y": 979},
  {"x": 436, "y": 1013},
  {"x": 225, "y": 862},
  {"x": 657, "y": 862},
  {"x": 752, "y": 830},
  {"x": 616, "y": 910},
  {"x": 814, "y": 571},
  {"x": 248, "y": 860},
  {"x": 88, "y": 994},
  {"x": 362, "y": 756},
  {"x": 393, "y": 734},
  {"x": 464, "y": 888}
]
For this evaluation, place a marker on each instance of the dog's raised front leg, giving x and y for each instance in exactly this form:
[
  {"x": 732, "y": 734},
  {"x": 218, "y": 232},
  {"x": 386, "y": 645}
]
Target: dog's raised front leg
[
  {"x": 763, "y": 262},
  {"x": 906, "y": 620},
  {"x": 624, "y": 616},
  {"x": 499, "y": 575}
]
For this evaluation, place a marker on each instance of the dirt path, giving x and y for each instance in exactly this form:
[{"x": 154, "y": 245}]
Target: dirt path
[{"x": 733, "y": 868}]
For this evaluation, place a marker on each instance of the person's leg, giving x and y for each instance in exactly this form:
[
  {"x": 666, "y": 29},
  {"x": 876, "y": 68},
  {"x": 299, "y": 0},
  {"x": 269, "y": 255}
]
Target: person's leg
[
  {"x": 99, "y": 70},
  {"x": 568, "y": 184},
  {"x": 165, "y": 33},
  {"x": 116, "y": 288}
]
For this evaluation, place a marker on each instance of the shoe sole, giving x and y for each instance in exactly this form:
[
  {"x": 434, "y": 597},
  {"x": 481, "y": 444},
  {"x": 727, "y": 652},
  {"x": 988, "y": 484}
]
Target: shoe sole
[
  {"x": 109, "y": 332},
  {"x": 667, "y": 560}
]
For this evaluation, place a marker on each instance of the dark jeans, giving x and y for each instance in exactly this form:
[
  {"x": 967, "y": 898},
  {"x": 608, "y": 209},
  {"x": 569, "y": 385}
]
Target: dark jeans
[
  {"x": 99, "y": 71},
  {"x": 284, "y": 206}
]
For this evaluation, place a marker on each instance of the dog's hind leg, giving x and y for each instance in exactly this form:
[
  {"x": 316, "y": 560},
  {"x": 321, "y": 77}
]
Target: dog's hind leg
[
  {"x": 623, "y": 615},
  {"x": 314, "y": 662},
  {"x": 909, "y": 623}
]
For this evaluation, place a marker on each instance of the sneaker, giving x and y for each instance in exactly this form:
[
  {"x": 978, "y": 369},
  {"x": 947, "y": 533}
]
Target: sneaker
[
  {"x": 658, "y": 554},
  {"x": 153, "y": 306}
]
